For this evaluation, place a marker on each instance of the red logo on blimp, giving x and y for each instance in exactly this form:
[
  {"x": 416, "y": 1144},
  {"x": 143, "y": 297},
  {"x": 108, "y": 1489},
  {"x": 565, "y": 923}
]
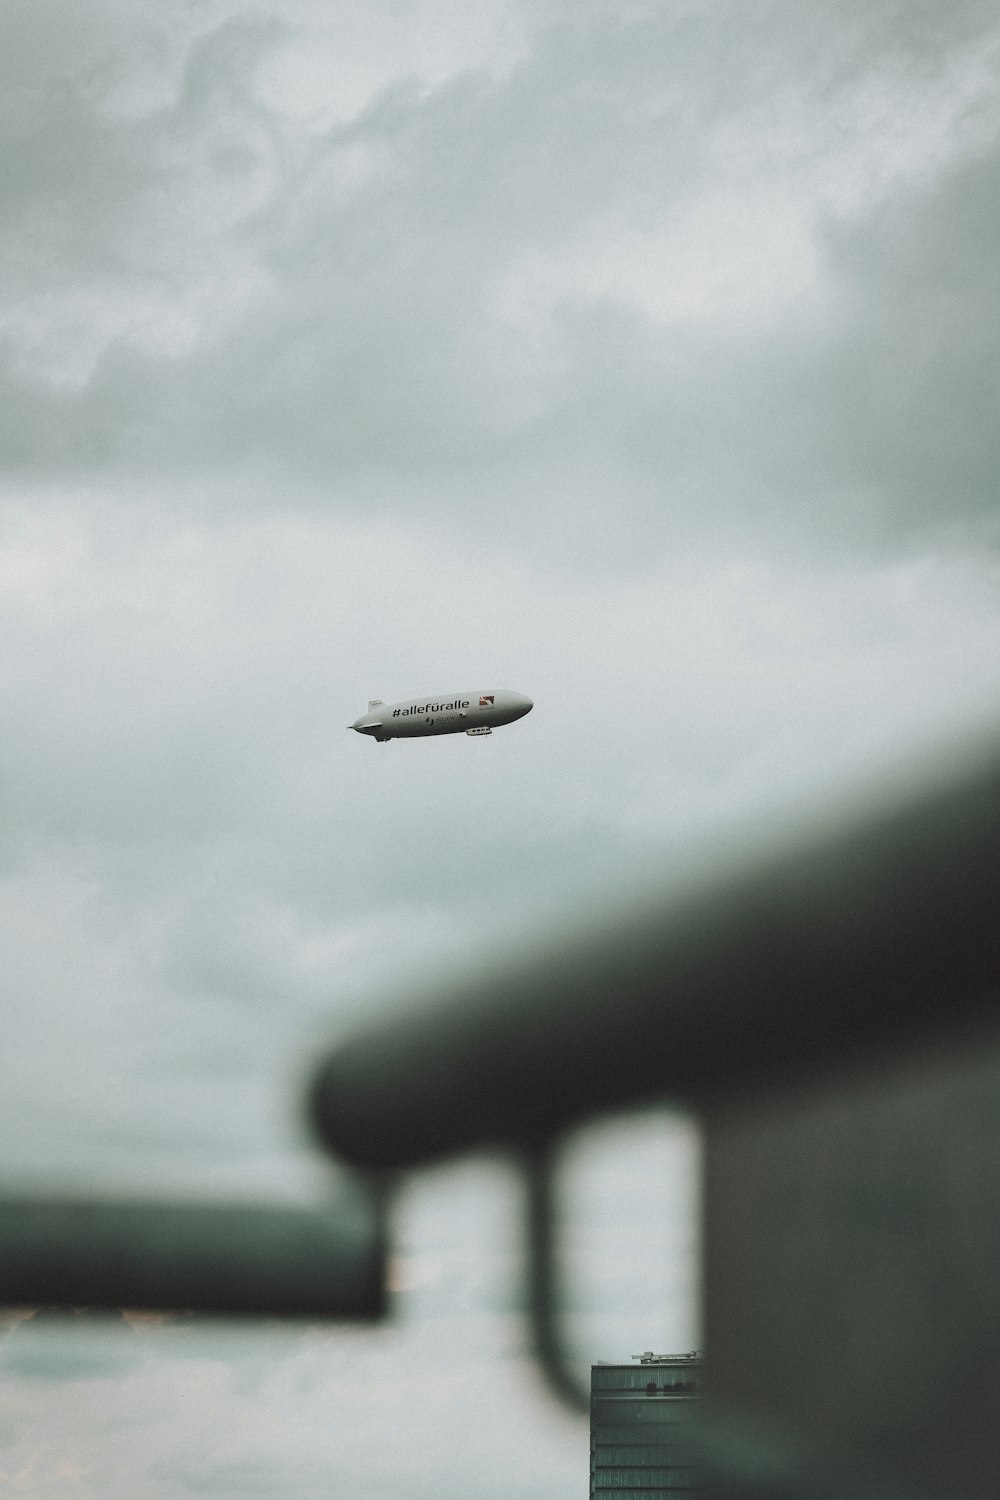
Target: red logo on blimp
[{"x": 487, "y": 702}]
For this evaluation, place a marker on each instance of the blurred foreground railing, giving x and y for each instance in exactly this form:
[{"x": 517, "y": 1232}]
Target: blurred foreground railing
[
  {"x": 857, "y": 940},
  {"x": 222, "y": 1259},
  {"x": 829, "y": 1010}
]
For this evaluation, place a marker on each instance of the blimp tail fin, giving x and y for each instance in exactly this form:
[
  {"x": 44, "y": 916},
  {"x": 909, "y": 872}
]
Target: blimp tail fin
[{"x": 374, "y": 703}]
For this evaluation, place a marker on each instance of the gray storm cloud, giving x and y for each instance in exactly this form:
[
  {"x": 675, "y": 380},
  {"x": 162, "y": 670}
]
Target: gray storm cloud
[{"x": 656, "y": 245}]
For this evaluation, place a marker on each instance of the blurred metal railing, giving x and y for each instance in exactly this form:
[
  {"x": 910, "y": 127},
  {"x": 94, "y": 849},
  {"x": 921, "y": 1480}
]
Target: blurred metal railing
[
  {"x": 860, "y": 937},
  {"x": 223, "y": 1259},
  {"x": 828, "y": 1008}
]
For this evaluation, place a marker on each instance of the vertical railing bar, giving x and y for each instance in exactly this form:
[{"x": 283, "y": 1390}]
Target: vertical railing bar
[{"x": 542, "y": 1296}]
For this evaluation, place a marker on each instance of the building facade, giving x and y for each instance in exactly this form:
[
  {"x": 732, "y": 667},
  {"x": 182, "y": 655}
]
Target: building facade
[{"x": 640, "y": 1416}]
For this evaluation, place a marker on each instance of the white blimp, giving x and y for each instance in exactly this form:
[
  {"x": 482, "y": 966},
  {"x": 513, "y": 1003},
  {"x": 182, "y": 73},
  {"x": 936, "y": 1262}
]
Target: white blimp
[{"x": 447, "y": 713}]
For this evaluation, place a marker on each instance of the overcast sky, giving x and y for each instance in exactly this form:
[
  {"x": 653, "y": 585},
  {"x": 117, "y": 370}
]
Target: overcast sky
[{"x": 641, "y": 357}]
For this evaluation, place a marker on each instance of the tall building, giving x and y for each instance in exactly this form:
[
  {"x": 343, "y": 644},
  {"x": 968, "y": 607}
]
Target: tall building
[{"x": 640, "y": 1417}]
